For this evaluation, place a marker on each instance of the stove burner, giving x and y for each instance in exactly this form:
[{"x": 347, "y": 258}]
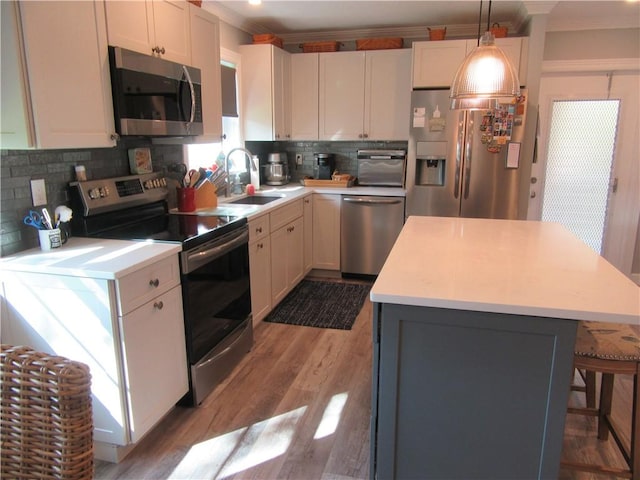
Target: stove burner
[{"x": 140, "y": 212}]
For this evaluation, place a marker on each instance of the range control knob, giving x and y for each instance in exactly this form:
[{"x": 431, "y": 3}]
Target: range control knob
[{"x": 94, "y": 193}]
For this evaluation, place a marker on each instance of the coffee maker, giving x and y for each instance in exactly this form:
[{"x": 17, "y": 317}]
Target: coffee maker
[
  {"x": 324, "y": 165},
  {"x": 276, "y": 172}
]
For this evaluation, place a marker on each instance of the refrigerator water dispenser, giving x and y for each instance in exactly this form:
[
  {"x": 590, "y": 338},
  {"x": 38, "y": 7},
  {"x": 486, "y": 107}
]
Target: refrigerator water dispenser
[
  {"x": 430, "y": 171},
  {"x": 430, "y": 163}
]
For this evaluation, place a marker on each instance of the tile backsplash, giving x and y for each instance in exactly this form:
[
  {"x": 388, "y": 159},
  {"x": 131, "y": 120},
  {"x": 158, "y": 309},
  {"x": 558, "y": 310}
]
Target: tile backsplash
[
  {"x": 56, "y": 167},
  {"x": 345, "y": 154}
]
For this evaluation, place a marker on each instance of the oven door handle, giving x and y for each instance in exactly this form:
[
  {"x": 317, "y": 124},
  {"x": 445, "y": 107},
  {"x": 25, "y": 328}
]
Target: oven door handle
[
  {"x": 376, "y": 201},
  {"x": 194, "y": 260}
]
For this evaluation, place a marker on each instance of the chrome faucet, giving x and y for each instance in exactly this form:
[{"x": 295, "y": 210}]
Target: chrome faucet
[{"x": 226, "y": 166}]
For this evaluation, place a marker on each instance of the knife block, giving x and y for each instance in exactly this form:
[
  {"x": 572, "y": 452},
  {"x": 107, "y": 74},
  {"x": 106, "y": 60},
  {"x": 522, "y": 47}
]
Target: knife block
[{"x": 206, "y": 196}]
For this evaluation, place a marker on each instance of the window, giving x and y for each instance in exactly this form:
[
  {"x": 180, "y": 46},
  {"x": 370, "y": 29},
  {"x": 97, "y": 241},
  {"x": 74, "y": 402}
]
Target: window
[
  {"x": 206, "y": 155},
  {"x": 579, "y": 161}
]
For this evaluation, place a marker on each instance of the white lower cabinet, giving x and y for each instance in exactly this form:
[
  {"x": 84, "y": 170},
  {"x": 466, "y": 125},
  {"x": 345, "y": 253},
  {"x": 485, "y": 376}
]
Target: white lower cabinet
[
  {"x": 260, "y": 267},
  {"x": 287, "y": 252},
  {"x": 279, "y": 254},
  {"x": 155, "y": 362},
  {"x": 287, "y": 259},
  {"x": 326, "y": 231},
  {"x": 308, "y": 233},
  {"x": 129, "y": 331}
]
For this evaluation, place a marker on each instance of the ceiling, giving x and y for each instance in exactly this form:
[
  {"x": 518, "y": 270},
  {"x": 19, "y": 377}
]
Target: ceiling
[{"x": 297, "y": 20}]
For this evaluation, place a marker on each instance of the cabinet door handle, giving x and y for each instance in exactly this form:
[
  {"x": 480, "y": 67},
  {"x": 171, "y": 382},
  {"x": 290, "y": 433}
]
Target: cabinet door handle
[
  {"x": 259, "y": 230},
  {"x": 159, "y": 305},
  {"x": 259, "y": 245},
  {"x": 154, "y": 283}
]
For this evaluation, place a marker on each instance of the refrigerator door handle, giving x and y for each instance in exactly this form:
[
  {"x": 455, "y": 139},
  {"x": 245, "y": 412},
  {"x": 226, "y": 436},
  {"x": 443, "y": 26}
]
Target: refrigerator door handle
[
  {"x": 459, "y": 150},
  {"x": 468, "y": 156}
]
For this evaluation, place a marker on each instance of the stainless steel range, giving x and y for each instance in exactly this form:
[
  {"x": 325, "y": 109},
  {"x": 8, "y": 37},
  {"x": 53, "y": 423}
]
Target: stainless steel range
[{"x": 214, "y": 264}]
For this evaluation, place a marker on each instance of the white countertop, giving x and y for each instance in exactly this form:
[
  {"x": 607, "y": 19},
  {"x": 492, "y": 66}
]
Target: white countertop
[
  {"x": 504, "y": 266},
  {"x": 91, "y": 258},
  {"x": 289, "y": 193}
]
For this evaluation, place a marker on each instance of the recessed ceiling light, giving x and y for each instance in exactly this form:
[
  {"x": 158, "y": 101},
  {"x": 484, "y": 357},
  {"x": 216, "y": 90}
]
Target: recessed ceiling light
[{"x": 255, "y": 2}]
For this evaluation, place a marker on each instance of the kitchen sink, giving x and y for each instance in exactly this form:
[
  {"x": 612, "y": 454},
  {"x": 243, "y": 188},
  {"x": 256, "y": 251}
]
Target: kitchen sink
[{"x": 255, "y": 200}]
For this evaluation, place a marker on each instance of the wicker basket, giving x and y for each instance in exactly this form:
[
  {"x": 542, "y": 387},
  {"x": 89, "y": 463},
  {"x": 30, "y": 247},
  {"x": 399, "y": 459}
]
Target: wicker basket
[
  {"x": 314, "y": 47},
  {"x": 267, "y": 38},
  {"x": 378, "y": 43},
  {"x": 46, "y": 425},
  {"x": 437, "y": 33},
  {"x": 498, "y": 31}
]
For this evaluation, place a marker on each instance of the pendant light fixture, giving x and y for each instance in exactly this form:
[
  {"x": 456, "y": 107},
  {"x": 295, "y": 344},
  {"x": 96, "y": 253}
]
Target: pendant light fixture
[{"x": 486, "y": 77}]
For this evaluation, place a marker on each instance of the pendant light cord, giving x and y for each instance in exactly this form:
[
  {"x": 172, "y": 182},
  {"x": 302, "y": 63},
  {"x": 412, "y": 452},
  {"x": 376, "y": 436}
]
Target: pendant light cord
[
  {"x": 489, "y": 17},
  {"x": 479, "y": 21}
]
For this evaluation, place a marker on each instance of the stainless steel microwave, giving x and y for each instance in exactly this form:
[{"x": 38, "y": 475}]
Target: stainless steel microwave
[{"x": 154, "y": 97}]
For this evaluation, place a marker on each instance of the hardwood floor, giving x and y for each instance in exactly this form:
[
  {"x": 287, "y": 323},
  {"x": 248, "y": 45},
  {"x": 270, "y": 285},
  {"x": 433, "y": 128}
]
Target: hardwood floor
[{"x": 298, "y": 407}]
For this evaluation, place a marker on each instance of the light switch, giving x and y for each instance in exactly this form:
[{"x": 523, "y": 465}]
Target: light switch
[{"x": 38, "y": 192}]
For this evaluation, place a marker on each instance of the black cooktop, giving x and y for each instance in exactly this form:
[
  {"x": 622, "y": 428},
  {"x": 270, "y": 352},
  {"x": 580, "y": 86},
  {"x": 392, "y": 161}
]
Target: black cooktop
[
  {"x": 193, "y": 230},
  {"x": 153, "y": 222}
]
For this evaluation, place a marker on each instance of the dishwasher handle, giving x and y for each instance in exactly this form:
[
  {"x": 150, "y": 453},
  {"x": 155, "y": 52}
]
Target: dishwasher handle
[{"x": 376, "y": 201}]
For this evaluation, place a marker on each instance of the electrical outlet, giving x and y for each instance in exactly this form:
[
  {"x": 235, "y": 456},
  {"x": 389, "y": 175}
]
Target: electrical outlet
[
  {"x": 298, "y": 159},
  {"x": 38, "y": 192}
]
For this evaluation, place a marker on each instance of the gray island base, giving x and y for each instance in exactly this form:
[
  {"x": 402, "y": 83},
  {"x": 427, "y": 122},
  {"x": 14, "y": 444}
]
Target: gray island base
[{"x": 468, "y": 395}]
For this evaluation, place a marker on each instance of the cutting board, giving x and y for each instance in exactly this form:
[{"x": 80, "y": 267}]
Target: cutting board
[{"x": 206, "y": 195}]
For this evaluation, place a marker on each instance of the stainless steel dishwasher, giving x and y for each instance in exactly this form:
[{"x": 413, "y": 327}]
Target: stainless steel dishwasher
[{"x": 369, "y": 228}]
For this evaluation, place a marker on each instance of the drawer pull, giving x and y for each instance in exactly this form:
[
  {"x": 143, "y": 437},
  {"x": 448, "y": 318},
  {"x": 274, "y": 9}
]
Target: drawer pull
[
  {"x": 154, "y": 283},
  {"x": 159, "y": 305},
  {"x": 259, "y": 230}
]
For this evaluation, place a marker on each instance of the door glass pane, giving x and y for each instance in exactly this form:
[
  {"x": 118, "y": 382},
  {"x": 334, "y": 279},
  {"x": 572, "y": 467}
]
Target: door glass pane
[{"x": 579, "y": 160}]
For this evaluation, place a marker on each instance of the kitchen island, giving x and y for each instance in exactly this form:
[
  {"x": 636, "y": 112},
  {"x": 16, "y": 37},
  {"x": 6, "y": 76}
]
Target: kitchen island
[{"x": 474, "y": 328}]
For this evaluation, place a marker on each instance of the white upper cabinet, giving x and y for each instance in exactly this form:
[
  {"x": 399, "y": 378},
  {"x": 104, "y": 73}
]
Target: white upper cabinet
[
  {"x": 364, "y": 95},
  {"x": 282, "y": 94},
  {"x": 66, "y": 101},
  {"x": 205, "y": 55},
  {"x": 265, "y": 84},
  {"x": 153, "y": 27},
  {"x": 436, "y": 63},
  {"x": 16, "y": 121},
  {"x": 304, "y": 96},
  {"x": 341, "y": 96},
  {"x": 387, "y": 94}
]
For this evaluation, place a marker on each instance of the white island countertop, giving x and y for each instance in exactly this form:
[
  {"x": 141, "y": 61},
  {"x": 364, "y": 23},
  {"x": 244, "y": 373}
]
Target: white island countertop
[
  {"x": 504, "y": 266},
  {"x": 91, "y": 258}
]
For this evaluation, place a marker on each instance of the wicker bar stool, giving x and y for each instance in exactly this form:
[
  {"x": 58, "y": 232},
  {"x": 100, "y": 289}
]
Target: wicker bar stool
[
  {"x": 46, "y": 425},
  {"x": 609, "y": 349}
]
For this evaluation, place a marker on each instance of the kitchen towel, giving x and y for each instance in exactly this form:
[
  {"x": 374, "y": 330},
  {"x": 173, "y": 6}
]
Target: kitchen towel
[{"x": 321, "y": 304}]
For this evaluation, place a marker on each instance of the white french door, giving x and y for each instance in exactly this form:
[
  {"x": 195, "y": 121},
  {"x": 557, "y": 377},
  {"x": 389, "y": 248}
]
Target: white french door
[{"x": 587, "y": 174}]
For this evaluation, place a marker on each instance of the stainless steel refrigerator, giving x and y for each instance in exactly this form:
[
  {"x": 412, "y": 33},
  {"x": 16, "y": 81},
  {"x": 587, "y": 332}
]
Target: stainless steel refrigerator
[{"x": 463, "y": 163}]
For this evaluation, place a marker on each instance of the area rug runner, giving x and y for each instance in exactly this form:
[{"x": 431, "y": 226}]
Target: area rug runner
[{"x": 321, "y": 304}]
